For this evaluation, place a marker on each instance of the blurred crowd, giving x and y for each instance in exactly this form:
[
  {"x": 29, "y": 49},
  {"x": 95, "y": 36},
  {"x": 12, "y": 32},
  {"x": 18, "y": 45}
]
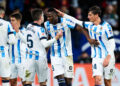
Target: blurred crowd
[{"x": 77, "y": 9}]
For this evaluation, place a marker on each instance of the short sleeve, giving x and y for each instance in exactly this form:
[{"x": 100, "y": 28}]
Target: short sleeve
[
  {"x": 42, "y": 34},
  {"x": 109, "y": 32},
  {"x": 86, "y": 24},
  {"x": 70, "y": 24}
]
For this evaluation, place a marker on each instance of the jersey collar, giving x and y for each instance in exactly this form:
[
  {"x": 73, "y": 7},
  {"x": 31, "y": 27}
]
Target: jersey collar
[
  {"x": 35, "y": 24},
  {"x": 20, "y": 28},
  {"x": 102, "y": 21}
]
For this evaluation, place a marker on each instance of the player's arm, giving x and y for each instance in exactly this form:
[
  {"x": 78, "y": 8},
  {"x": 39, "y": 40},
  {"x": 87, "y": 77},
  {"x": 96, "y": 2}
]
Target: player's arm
[
  {"x": 111, "y": 46},
  {"x": 11, "y": 36},
  {"x": 20, "y": 33},
  {"x": 47, "y": 48},
  {"x": 71, "y": 24},
  {"x": 70, "y": 17},
  {"x": 47, "y": 43},
  {"x": 85, "y": 32},
  {"x": 81, "y": 25},
  {"x": 43, "y": 38}
]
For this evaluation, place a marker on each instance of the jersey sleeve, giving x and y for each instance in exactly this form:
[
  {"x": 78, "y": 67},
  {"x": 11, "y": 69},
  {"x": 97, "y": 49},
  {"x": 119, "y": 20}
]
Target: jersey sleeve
[
  {"x": 109, "y": 32},
  {"x": 86, "y": 24},
  {"x": 41, "y": 34},
  {"x": 71, "y": 24},
  {"x": 81, "y": 23},
  {"x": 109, "y": 35},
  {"x": 11, "y": 36}
]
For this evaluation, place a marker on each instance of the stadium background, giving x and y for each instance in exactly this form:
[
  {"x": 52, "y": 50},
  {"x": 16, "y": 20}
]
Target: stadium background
[{"x": 77, "y": 9}]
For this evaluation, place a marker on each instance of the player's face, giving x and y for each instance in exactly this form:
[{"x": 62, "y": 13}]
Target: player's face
[
  {"x": 91, "y": 16},
  {"x": 51, "y": 17},
  {"x": 13, "y": 21}
]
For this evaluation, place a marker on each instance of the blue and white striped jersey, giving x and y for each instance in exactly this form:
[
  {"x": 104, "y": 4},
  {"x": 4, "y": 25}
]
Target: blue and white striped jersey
[
  {"x": 63, "y": 46},
  {"x": 35, "y": 49},
  {"x": 102, "y": 33},
  {"x": 5, "y": 30},
  {"x": 17, "y": 50}
]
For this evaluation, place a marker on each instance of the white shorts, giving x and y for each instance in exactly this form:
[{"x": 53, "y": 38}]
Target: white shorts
[
  {"x": 5, "y": 67},
  {"x": 36, "y": 66},
  {"x": 105, "y": 72},
  {"x": 17, "y": 69},
  {"x": 62, "y": 65}
]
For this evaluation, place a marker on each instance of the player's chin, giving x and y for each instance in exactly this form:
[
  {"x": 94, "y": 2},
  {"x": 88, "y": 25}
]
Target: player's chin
[{"x": 91, "y": 20}]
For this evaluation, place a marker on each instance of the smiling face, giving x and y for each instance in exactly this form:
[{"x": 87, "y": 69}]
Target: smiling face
[
  {"x": 52, "y": 17},
  {"x": 14, "y": 21}
]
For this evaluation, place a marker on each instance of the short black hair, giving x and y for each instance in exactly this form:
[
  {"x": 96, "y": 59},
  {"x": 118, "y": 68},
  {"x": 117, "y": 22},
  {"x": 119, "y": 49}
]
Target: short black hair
[
  {"x": 36, "y": 13},
  {"x": 18, "y": 16},
  {"x": 95, "y": 10},
  {"x": 52, "y": 10}
]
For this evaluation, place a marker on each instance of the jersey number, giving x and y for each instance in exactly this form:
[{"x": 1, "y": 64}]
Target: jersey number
[{"x": 29, "y": 41}]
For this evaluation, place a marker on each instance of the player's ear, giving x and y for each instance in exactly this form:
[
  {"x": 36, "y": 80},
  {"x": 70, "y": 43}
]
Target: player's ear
[
  {"x": 96, "y": 15},
  {"x": 40, "y": 17},
  {"x": 19, "y": 21},
  {"x": 3, "y": 14}
]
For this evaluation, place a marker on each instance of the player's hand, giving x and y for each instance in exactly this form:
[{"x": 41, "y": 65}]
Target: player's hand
[
  {"x": 16, "y": 27},
  {"x": 106, "y": 61},
  {"x": 59, "y": 12},
  {"x": 59, "y": 35},
  {"x": 93, "y": 42}
]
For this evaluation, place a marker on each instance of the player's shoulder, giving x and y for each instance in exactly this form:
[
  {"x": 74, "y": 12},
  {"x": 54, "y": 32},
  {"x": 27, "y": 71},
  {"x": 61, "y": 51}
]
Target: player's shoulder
[
  {"x": 33, "y": 25},
  {"x": 106, "y": 25},
  {"x": 29, "y": 25},
  {"x": 38, "y": 28},
  {"x": 22, "y": 28},
  {"x": 5, "y": 21},
  {"x": 46, "y": 23}
]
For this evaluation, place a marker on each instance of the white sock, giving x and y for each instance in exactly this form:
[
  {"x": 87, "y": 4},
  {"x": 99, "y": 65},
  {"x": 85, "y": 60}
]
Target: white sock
[{"x": 5, "y": 83}]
